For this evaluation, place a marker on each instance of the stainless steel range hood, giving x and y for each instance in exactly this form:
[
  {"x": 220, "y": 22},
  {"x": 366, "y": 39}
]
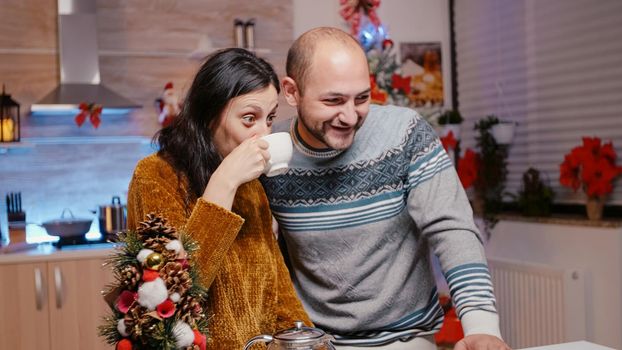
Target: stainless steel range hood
[{"x": 79, "y": 62}]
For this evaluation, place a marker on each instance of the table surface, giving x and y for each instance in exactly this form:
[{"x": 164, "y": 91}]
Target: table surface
[{"x": 577, "y": 345}]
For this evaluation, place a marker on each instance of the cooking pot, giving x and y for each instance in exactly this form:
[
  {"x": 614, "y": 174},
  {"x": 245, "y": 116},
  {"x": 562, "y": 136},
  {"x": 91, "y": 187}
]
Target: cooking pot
[
  {"x": 67, "y": 227},
  {"x": 300, "y": 337},
  {"x": 112, "y": 217}
]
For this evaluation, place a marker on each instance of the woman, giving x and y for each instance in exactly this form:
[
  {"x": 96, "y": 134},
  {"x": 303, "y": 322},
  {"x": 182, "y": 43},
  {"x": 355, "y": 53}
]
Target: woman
[{"x": 204, "y": 180}]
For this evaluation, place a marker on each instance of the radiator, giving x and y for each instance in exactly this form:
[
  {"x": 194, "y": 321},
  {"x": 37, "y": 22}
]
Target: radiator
[{"x": 537, "y": 304}]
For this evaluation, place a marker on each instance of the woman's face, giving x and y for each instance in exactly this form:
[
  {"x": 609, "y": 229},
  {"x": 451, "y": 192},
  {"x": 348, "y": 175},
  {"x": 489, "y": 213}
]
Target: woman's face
[{"x": 245, "y": 116}]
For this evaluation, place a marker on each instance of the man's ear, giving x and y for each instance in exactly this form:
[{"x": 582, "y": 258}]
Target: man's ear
[{"x": 290, "y": 91}]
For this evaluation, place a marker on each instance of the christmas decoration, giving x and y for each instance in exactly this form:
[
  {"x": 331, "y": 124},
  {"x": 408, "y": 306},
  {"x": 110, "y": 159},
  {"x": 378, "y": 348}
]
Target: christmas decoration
[
  {"x": 591, "y": 167},
  {"x": 168, "y": 105},
  {"x": 156, "y": 299},
  {"x": 91, "y": 110},
  {"x": 354, "y": 10}
]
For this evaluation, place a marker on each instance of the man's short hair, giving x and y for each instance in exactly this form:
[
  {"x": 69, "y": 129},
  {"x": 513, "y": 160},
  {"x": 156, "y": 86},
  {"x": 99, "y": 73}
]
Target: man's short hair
[{"x": 300, "y": 54}]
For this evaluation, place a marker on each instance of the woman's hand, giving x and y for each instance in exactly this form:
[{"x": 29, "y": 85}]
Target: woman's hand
[{"x": 245, "y": 163}]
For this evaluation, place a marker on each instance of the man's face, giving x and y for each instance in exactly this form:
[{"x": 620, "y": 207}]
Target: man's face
[{"x": 336, "y": 97}]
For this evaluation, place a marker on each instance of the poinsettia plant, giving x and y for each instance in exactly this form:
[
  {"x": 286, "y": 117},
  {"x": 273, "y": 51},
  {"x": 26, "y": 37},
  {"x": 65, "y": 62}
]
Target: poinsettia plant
[
  {"x": 468, "y": 165},
  {"x": 591, "y": 167}
]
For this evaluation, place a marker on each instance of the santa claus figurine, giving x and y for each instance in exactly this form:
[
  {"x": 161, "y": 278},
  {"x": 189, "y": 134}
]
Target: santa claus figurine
[{"x": 168, "y": 105}]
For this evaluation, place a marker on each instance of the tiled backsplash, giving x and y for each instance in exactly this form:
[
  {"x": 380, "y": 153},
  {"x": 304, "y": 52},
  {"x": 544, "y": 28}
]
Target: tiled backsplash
[{"x": 79, "y": 173}]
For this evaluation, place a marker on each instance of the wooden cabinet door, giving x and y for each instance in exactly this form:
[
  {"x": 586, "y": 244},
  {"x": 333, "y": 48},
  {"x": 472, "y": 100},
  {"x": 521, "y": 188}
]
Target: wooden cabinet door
[
  {"x": 76, "y": 304},
  {"x": 24, "y": 309}
]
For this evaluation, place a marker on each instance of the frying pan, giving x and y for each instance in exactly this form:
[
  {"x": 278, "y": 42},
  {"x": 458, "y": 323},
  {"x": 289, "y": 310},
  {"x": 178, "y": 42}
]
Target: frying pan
[{"x": 67, "y": 227}]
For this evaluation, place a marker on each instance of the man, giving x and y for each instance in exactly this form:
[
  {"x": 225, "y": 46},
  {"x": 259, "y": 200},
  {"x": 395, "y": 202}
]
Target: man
[{"x": 370, "y": 191}]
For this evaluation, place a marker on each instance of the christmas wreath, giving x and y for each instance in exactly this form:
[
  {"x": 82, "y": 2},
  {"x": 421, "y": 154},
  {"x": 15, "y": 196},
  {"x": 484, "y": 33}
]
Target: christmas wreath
[{"x": 156, "y": 299}]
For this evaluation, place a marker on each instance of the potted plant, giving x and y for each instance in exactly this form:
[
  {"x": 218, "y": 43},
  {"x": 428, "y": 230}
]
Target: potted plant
[
  {"x": 450, "y": 121},
  {"x": 492, "y": 172},
  {"x": 593, "y": 168},
  {"x": 536, "y": 197}
]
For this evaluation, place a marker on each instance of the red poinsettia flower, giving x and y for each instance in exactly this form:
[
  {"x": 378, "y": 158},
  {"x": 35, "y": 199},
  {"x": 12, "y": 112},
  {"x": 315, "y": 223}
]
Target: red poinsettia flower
[
  {"x": 449, "y": 141},
  {"x": 468, "y": 167},
  {"x": 590, "y": 166}
]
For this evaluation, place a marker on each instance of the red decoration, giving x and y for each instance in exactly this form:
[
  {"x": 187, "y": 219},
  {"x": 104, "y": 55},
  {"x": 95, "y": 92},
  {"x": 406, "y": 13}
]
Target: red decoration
[
  {"x": 150, "y": 275},
  {"x": 166, "y": 309},
  {"x": 377, "y": 95},
  {"x": 92, "y": 111},
  {"x": 125, "y": 301},
  {"x": 451, "y": 331},
  {"x": 468, "y": 167},
  {"x": 591, "y": 167},
  {"x": 168, "y": 105},
  {"x": 124, "y": 344},
  {"x": 401, "y": 83},
  {"x": 200, "y": 339},
  {"x": 449, "y": 141},
  {"x": 351, "y": 12}
]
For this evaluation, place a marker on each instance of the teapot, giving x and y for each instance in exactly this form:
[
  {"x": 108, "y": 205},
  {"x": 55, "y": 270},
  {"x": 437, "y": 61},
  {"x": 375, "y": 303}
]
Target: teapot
[{"x": 300, "y": 337}]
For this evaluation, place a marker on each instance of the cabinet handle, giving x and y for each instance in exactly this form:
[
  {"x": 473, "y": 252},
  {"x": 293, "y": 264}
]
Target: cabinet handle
[
  {"x": 58, "y": 283},
  {"x": 38, "y": 288}
]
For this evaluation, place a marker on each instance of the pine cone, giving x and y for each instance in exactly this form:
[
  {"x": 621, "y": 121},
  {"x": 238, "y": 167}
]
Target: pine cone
[
  {"x": 156, "y": 226},
  {"x": 176, "y": 278},
  {"x": 157, "y": 244},
  {"x": 190, "y": 310},
  {"x": 130, "y": 276},
  {"x": 137, "y": 321}
]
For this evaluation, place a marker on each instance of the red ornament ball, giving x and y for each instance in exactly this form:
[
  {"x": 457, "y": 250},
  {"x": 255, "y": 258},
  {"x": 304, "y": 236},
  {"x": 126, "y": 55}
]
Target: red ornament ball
[{"x": 124, "y": 344}]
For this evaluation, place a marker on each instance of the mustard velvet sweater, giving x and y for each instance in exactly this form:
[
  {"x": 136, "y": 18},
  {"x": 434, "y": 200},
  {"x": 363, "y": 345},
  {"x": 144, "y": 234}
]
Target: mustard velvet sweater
[{"x": 250, "y": 291}]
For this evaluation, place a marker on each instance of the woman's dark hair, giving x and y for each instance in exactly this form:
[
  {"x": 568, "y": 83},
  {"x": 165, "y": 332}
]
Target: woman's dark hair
[{"x": 187, "y": 144}]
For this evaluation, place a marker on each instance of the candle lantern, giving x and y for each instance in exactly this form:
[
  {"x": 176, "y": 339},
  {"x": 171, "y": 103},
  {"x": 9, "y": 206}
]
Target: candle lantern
[{"x": 9, "y": 118}]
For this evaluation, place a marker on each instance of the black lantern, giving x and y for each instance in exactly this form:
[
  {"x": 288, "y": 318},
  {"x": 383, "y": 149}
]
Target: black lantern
[{"x": 9, "y": 118}]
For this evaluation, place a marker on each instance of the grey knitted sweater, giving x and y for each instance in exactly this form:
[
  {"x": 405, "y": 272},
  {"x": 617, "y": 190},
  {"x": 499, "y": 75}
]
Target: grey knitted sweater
[{"x": 359, "y": 226}]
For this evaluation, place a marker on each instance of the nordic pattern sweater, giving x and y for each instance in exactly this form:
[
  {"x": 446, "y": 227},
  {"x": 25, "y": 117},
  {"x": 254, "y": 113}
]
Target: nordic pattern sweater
[
  {"x": 359, "y": 226},
  {"x": 250, "y": 292}
]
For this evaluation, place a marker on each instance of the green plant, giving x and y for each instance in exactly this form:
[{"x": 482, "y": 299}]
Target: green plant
[
  {"x": 490, "y": 183},
  {"x": 536, "y": 197},
  {"x": 450, "y": 117}
]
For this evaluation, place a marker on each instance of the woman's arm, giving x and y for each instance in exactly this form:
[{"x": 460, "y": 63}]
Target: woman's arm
[{"x": 154, "y": 189}]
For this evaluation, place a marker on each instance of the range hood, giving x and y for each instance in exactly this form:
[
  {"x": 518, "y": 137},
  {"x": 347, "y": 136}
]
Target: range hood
[{"x": 79, "y": 62}]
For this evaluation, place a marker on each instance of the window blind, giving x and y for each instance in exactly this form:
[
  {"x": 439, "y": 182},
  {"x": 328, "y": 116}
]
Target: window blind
[{"x": 552, "y": 66}]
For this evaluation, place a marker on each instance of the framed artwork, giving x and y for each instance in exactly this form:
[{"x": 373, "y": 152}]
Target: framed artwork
[{"x": 422, "y": 62}]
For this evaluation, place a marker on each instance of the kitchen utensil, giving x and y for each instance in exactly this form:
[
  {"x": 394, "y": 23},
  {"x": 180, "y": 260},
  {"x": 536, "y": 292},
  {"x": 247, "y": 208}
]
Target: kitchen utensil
[
  {"x": 14, "y": 207},
  {"x": 112, "y": 217},
  {"x": 300, "y": 337},
  {"x": 67, "y": 227}
]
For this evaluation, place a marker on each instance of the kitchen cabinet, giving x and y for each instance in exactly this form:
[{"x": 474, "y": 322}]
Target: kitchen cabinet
[{"x": 53, "y": 304}]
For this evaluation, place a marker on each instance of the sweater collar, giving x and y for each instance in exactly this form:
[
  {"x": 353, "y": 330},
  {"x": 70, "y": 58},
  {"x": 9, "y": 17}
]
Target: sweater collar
[{"x": 308, "y": 150}]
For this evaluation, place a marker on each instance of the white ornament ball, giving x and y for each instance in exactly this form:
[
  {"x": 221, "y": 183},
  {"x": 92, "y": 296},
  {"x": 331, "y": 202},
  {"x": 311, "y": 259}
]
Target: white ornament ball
[
  {"x": 143, "y": 254},
  {"x": 121, "y": 328},
  {"x": 175, "y": 297},
  {"x": 152, "y": 293},
  {"x": 174, "y": 245},
  {"x": 184, "y": 336}
]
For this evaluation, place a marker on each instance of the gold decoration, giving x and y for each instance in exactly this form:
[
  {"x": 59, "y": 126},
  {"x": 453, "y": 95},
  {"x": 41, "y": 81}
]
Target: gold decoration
[{"x": 154, "y": 261}]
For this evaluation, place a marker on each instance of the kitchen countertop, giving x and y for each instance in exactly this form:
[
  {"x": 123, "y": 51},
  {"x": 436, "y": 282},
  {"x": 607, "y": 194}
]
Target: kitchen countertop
[
  {"x": 577, "y": 345},
  {"x": 47, "y": 252}
]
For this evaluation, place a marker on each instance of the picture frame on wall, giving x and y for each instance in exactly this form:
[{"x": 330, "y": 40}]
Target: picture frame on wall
[{"x": 422, "y": 62}]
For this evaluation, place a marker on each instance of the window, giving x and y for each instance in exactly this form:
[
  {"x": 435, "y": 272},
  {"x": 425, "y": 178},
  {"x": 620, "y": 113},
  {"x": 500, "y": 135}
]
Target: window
[{"x": 553, "y": 66}]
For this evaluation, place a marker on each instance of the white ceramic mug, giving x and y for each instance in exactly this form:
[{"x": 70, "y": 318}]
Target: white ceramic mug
[{"x": 281, "y": 149}]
